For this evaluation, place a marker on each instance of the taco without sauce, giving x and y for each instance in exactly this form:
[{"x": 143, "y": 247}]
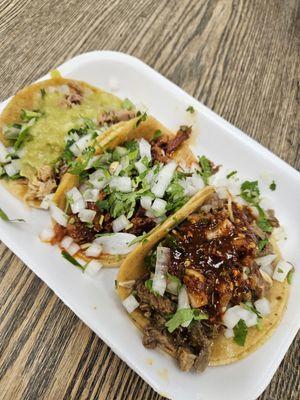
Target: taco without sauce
[{"x": 206, "y": 291}]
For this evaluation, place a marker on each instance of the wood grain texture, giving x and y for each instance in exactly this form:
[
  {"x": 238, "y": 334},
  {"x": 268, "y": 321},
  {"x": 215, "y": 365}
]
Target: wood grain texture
[{"x": 239, "y": 57}]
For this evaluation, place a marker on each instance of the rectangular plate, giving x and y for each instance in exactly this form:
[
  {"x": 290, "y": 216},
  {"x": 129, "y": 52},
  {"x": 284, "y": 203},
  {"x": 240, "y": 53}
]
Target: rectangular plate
[{"x": 95, "y": 302}]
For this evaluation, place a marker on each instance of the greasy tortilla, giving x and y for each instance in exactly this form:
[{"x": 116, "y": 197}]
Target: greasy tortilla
[
  {"x": 29, "y": 98},
  {"x": 223, "y": 351},
  {"x": 116, "y": 135}
]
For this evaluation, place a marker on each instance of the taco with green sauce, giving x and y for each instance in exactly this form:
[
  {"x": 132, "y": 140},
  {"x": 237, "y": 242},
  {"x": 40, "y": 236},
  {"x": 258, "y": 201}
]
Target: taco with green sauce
[
  {"x": 48, "y": 124},
  {"x": 140, "y": 174},
  {"x": 209, "y": 287}
]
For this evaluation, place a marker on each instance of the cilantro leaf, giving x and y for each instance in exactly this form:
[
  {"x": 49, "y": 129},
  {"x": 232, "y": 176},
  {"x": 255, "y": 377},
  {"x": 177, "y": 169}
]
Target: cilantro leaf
[
  {"x": 184, "y": 315},
  {"x": 127, "y": 104},
  {"x": 43, "y": 92},
  {"x": 190, "y": 109},
  {"x": 142, "y": 117},
  {"x": 262, "y": 221},
  {"x": 272, "y": 186},
  {"x": 78, "y": 166},
  {"x": 206, "y": 169},
  {"x": 250, "y": 191},
  {"x": 23, "y": 135},
  {"x": 157, "y": 134},
  {"x": 262, "y": 244},
  {"x": 240, "y": 332},
  {"x": 27, "y": 115},
  {"x": 231, "y": 174}
]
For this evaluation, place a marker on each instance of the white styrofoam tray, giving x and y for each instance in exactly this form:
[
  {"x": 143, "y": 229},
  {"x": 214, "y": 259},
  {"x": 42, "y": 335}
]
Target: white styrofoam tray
[{"x": 95, "y": 302}]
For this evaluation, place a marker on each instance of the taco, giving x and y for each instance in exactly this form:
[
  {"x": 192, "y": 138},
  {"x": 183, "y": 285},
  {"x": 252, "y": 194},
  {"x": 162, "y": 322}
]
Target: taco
[
  {"x": 139, "y": 174},
  {"x": 47, "y": 124},
  {"x": 210, "y": 289}
]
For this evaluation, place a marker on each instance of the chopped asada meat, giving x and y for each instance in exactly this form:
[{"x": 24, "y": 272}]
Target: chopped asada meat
[
  {"x": 224, "y": 228},
  {"x": 200, "y": 342},
  {"x": 273, "y": 221},
  {"x": 79, "y": 231},
  {"x": 153, "y": 337},
  {"x": 181, "y": 136},
  {"x": 141, "y": 223},
  {"x": 42, "y": 184},
  {"x": 160, "y": 304},
  {"x": 159, "y": 149},
  {"x": 113, "y": 117},
  {"x": 195, "y": 282}
]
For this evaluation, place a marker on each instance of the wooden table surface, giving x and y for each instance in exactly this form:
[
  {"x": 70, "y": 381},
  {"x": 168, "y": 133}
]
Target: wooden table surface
[{"x": 239, "y": 57}]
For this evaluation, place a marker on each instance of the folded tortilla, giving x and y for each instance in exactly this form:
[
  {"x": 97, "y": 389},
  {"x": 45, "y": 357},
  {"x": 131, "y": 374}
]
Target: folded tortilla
[
  {"x": 30, "y": 98},
  {"x": 113, "y": 137},
  {"x": 223, "y": 350}
]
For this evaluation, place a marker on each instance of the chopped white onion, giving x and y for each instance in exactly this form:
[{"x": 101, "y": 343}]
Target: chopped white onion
[
  {"x": 222, "y": 192},
  {"x": 73, "y": 249},
  {"x": 163, "y": 179},
  {"x": 266, "y": 203},
  {"x": 159, "y": 207},
  {"x": 162, "y": 260},
  {"x": 172, "y": 287},
  {"x": 45, "y": 204},
  {"x": 94, "y": 250},
  {"x": 228, "y": 333},
  {"x": 183, "y": 302},
  {"x": 117, "y": 243},
  {"x": 46, "y": 235},
  {"x": 66, "y": 242},
  {"x": 234, "y": 314},
  {"x": 130, "y": 303},
  {"x": 13, "y": 167},
  {"x": 120, "y": 223},
  {"x": 93, "y": 268},
  {"x": 91, "y": 162},
  {"x": 3, "y": 153},
  {"x": 149, "y": 214},
  {"x": 265, "y": 261},
  {"x": 149, "y": 177},
  {"x": 140, "y": 166},
  {"x": 91, "y": 195},
  {"x": 279, "y": 234},
  {"x": 80, "y": 145},
  {"x": 115, "y": 168},
  {"x": 98, "y": 179},
  {"x": 146, "y": 202},
  {"x": 121, "y": 183},
  {"x": 145, "y": 149},
  {"x": 281, "y": 270},
  {"x": 192, "y": 184},
  {"x": 76, "y": 200},
  {"x": 87, "y": 215},
  {"x": 263, "y": 306},
  {"x": 58, "y": 215}
]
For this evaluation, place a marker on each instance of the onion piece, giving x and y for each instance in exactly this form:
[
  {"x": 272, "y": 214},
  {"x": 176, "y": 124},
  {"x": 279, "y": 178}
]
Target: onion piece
[
  {"x": 228, "y": 333},
  {"x": 281, "y": 270},
  {"x": 130, "y": 303},
  {"x": 162, "y": 260},
  {"x": 3, "y": 153},
  {"x": 183, "y": 302},
  {"x": 91, "y": 162},
  {"x": 66, "y": 242},
  {"x": 116, "y": 243},
  {"x": 127, "y": 284},
  {"x": 140, "y": 166},
  {"x": 159, "y": 207},
  {"x": 146, "y": 202},
  {"x": 121, "y": 183},
  {"x": 73, "y": 249},
  {"x": 120, "y": 223},
  {"x": 87, "y": 215},
  {"x": 265, "y": 260},
  {"x": 279, "y": 234},
  {"x": 91, "y": 195},
  {"x": 58, "y": 215},
  {"x": 192, "y": 184},
  {"x": 76, "y": 200},
  {"x": 13, "y": 167},
  {"x": 45, "y": 204},
  {"x": 80, "y": 145},
  {"x": 163, "y": 179},
  {"x": 93, "y": 267},
  {"x": 94, "y": 250},
  {"x": 145, "y": 149},
  {"x": 98, "y": 179},
  {"x": 263, "y": 306},
  {"x": 234, "y": 314},
  {"x": 46, "y": 235}
]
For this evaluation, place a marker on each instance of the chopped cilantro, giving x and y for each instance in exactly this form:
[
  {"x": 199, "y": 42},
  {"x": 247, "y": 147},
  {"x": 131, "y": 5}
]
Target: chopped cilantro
[
  {"x": 273, "y": 186},
  {"x": 79, "y": 165},
  {"x": 142, "y": 117},
  {"x": 5, "y": 217},
  {"x": 27, "y": 115},
  {"x": 240, "y": 332},
  {"x": 250, "y": 191},
  {"x": 280, "y": 270},
  {"x": 206, "y": 169},
  {"x": 23, "y": 135},
  {"x": 231, "y": 174},
  {"x": 116, "y": 284},
  {"x": 262, "y": 221},
  {"x": 184, "y": 315},
  {"x": 259, "y": 325},
  {"x": 250, "y": 307},
  {"x": 157, "y": 134},
  {"x": 262, "y": 244},
  {"x": 43, "y": 92},
  {"x": 190, "y": 109},
  {"x": 71, "y": 259}
]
